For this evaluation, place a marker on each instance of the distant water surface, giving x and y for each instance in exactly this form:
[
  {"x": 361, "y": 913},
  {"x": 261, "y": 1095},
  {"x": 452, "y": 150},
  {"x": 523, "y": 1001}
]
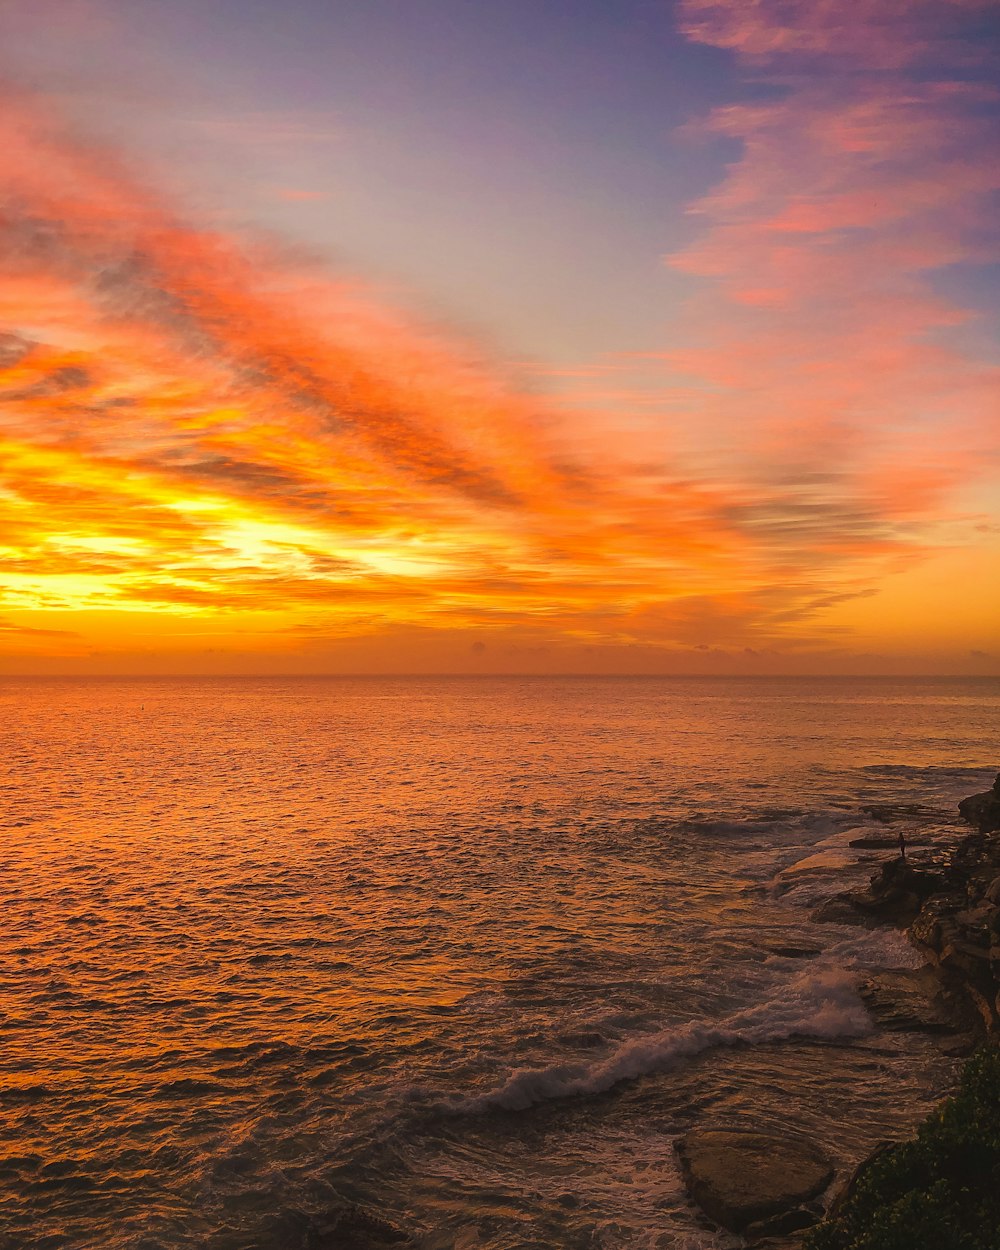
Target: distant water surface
[{"x": 470, "y": 952}]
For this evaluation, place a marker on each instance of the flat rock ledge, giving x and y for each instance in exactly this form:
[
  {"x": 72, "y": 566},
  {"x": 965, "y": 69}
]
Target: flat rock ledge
[{"x": 753, "y": 1183}]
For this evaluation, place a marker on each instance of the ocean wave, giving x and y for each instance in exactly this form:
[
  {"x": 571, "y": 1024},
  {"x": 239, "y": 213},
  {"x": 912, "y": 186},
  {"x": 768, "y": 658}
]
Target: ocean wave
[
  {"x": 765, "y": 826},
  {"x": 818, "y": 1003}
]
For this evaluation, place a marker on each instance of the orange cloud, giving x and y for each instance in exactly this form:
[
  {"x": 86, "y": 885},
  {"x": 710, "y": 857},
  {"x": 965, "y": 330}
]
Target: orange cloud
[{"x": 209, "y": 446}]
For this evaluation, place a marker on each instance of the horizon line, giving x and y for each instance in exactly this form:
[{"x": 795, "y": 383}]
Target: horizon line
[{"x": 519, "y": 676}]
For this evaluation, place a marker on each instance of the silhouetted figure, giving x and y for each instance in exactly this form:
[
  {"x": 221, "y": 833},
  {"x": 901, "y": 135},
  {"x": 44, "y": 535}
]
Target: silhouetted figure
[{"x": 902, "y": 845}]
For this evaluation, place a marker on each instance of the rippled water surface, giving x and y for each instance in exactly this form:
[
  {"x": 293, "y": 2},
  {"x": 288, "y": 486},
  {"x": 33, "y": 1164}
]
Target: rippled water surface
[{"x": 468, "y": 952}]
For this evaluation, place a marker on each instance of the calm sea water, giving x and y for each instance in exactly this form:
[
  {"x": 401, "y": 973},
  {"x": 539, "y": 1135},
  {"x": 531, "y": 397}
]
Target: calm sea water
[{"x": 469, "y": 952}]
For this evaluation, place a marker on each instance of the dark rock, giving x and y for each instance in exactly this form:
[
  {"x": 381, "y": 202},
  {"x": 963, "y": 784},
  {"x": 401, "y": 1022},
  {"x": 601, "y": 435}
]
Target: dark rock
[
  {"x": 983, "y": 810},
  {"x": 934, "y": 922},
  {"x": 740, "y": 1178},
  {"x": 977, "y": 919},
  {"x": 975, "y": 859},
  {"x": 898, "y": 906},
  {"x": 848, "y": 1189},
  {"x": 958, "y": 927},
  {"x": 950, "y": 902},
  {"x": 901, "y": 875},
  {"x": 778, "y": 1225},
  {"x": 909, "y": 1001},
  {"x": 894, "y": 896},
  {"x": 961, "y": 1046}
]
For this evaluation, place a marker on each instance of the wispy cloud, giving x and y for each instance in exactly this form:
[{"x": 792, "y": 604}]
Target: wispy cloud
[{"x": 203, "y": 427}]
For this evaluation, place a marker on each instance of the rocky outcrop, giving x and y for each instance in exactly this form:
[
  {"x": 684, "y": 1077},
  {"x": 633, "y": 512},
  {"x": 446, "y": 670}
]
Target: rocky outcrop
[
  {"x": 896, "y": 894},
  {"x": 753, "y": 1183},
  {"x": 958, "y": 927},
  {"x": 950, "y": 907},
  {"x": 948, "y": 899},
  {"x": 913, "y": 1000},
  {"x": 983, "y": 810}
]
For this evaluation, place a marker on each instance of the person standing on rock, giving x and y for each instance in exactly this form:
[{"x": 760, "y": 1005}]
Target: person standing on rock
[{"x": 902, "y": 844}]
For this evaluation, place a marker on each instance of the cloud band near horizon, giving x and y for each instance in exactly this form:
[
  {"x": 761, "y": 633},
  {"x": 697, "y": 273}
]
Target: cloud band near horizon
[{"x": 210, "y": 445}]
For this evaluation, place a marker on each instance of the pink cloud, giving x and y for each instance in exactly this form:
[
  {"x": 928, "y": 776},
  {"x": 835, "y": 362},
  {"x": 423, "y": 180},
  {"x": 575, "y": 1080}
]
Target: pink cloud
[
  {"x": 884, "y": 34},
  {"x": 819, "y": 332}
]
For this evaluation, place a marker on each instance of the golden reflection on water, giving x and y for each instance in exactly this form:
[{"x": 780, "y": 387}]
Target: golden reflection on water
[{"x": 257, "y": 934}]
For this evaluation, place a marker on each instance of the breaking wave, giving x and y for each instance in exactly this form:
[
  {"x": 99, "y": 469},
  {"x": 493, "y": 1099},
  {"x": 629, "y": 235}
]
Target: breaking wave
[{"x": 818, "y": 1003}]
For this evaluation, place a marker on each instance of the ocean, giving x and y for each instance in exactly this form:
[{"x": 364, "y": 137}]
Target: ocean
[{"x": 468, "y": 952}]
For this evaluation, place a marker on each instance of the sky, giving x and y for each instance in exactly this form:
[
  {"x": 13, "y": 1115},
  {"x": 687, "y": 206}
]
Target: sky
[{"x": 349, "y": 336}]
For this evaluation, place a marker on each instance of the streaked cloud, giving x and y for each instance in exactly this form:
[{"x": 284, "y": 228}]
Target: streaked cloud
[{"x": 207, "y": 441}]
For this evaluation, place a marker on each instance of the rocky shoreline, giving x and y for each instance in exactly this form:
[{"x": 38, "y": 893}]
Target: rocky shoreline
[
  {"x": 766, "y": 1188},
  {"x": 769, "y": 1188}
]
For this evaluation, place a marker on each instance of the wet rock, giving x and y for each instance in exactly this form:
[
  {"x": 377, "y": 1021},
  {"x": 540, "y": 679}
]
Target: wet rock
[
  {"x": 741, "y": 1178},
  {"x": 849, "y": 1188},
  {"x": 961, "y": 1046},
  {"x": 904, "y": 876},
  {"x": 909, "y": 1001},
  {"x": 958, "y": 926},
  {"x": 934, "y": 923},
  {"x": 983, "y": 810},
  {"x": 980, "y": 992},
  {"x": 976, "y": 861},
  {"x": 793, "y": 1221},
  {"x": 895, "y": 896}
]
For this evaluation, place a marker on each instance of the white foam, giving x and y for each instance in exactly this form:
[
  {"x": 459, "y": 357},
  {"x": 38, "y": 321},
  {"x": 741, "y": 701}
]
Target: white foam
[{"x": 817, "y": 1003}]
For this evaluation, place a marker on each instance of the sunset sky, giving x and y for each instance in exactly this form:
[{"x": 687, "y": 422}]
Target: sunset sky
[{"x": 522, "y": 336}]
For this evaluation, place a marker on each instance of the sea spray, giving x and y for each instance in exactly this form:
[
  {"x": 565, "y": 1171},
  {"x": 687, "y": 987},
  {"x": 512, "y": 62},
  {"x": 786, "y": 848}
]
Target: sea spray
[{"x": 818, "y": 1003}]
